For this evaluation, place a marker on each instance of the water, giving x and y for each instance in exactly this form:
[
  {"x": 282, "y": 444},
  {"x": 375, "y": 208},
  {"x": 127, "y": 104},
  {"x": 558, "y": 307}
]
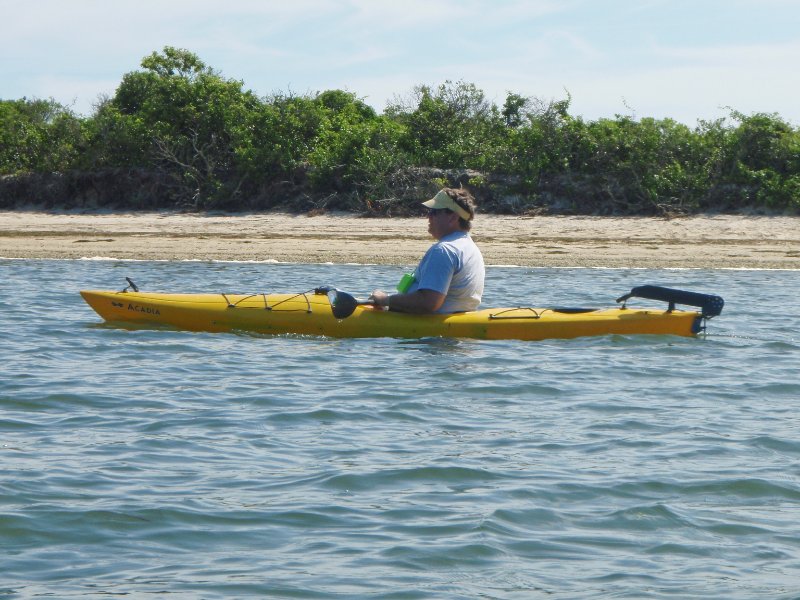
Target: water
[{"x": 152, "y": 463}]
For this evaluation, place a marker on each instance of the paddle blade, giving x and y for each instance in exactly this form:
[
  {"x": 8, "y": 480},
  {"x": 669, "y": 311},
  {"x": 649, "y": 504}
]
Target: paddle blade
[{"x": 342, "y": 304}]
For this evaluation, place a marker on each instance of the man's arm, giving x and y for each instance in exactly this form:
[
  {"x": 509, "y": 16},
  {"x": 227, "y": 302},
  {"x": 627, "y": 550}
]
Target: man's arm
[{"x": 419, "y": 302}]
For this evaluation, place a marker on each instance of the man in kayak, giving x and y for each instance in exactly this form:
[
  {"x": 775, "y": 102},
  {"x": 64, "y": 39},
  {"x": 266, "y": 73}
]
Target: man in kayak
[{"x": 449, "y": 278}]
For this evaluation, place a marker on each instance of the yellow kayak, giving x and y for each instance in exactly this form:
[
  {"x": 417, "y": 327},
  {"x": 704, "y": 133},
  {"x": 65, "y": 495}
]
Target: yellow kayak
[{"x": 328, "y": 312}]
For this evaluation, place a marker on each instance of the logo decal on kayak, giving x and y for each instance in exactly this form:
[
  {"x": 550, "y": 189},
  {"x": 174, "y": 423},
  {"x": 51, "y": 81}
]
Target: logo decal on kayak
[
  {"x": 117, "y": 304},
  {"x": 144, "y": 309}
]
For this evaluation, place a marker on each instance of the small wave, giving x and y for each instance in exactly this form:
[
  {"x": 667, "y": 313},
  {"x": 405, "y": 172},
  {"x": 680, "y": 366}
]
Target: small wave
[{"x": 453, "y": 476}]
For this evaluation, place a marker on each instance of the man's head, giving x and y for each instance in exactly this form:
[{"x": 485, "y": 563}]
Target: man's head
[{"x": 450, "y": 209}]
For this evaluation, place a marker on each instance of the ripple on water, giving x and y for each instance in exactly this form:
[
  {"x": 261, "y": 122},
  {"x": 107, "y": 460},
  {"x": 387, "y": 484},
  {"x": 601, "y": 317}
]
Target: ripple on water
[{"x": 145, "y": 461}]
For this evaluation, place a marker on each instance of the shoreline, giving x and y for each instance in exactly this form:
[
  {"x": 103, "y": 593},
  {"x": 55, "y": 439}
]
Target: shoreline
[{"x": 707, "y": 242}]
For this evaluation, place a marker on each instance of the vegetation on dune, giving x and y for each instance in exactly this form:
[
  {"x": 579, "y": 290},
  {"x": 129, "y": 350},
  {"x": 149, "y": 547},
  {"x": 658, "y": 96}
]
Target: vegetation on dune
[{"x": 178, "y": 134}]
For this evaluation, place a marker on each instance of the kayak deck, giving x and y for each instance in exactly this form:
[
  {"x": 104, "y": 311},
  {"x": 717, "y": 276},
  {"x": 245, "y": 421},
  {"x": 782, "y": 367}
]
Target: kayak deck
[{"x": 310, "y": 313}]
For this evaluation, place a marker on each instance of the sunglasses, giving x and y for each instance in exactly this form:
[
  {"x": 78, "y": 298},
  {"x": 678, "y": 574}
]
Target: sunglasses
[{"x": 432, "y": 212}]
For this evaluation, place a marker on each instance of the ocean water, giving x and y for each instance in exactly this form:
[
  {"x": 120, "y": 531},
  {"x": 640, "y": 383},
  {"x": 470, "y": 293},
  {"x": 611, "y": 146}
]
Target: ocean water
[{"x": 145, "y": 463}]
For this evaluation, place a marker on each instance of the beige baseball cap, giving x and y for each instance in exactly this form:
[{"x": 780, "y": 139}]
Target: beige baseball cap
[{"x": 443, "y": 200}]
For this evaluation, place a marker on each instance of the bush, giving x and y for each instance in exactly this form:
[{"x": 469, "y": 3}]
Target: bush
[
  {"x": 38, "y": 136},
  {"x": 200, "y": 140}
]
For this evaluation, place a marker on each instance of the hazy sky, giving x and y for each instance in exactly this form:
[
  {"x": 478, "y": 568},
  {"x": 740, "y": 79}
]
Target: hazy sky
[{"x": 684, "y": 59}]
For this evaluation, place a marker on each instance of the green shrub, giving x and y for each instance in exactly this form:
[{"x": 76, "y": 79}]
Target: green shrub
[{"x": 205, "y": 142}]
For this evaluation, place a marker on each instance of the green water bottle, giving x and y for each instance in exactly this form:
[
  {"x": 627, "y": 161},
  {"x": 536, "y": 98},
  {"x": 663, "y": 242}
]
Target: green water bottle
[{"x": 406, "y": 282}]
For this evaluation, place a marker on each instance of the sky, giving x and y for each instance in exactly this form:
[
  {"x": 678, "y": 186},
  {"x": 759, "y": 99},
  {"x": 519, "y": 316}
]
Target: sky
[{"x": 687, "y": 60}]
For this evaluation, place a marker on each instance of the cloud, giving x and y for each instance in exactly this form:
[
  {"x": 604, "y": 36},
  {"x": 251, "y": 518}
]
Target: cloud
[
  {"x": 785, "y": 53},
  {"x": 661, "y": 57}
]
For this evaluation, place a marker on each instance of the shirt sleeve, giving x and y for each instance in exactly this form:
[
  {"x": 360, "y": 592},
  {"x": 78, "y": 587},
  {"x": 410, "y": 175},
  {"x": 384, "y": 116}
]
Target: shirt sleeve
[{"x": 436, "y": 270}]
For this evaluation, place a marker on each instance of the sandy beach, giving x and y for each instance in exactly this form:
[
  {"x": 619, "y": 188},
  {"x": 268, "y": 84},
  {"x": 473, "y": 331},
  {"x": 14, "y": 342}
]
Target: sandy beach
[{"x": 719, "y": 241}]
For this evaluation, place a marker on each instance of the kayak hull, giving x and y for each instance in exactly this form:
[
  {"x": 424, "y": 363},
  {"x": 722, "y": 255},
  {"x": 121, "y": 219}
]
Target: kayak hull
[{"x": 311, "y": 314}]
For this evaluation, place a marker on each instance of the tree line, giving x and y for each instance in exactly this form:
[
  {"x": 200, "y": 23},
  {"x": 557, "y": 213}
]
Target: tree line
[{"x": 176, "y": 133}]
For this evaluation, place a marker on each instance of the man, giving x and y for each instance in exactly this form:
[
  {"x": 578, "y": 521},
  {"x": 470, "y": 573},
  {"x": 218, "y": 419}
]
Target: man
[{"x": 449, "y": 278}]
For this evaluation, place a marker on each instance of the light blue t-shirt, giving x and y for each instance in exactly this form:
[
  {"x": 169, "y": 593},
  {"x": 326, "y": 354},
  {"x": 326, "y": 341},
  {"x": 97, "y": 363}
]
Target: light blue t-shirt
[{"x": 452, "y": 266}]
